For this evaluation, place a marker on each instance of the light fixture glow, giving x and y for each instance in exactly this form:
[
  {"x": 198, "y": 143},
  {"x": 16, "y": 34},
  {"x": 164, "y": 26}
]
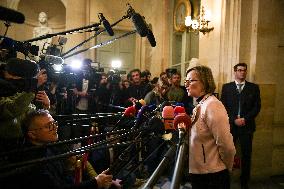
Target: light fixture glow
[{"x": 201, "y": 24}]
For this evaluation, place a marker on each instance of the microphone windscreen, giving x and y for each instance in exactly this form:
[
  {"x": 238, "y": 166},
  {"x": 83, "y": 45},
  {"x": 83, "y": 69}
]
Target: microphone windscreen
[
  {"x": 130, "y": 111},
  {"x": 179, "y": 110},
  {"x": 142, "y": 111},
  {"x": 168, "y": 117},
  {"x": 142, "y": 101},
  {"x": 156, "y": 125},
  {"x": 108, "y": 27},
  {"x": 11, "y": 15},
  {"x": 152, "y": 107},
  {"x": 140, "y": 24},
  {"x": 182, "y": 118},
  {"x": 151, "y": 38},
  {"x": 168, "y": 112},
  {"x": 179, "y": 104}
]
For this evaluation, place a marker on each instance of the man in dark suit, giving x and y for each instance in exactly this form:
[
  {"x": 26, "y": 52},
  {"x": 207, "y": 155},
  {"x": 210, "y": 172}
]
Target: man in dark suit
[{"x": 242, "y": 101}]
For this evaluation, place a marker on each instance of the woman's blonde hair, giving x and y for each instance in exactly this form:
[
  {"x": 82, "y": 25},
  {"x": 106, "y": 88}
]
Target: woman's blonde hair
[{"x": 206, "y": 77}]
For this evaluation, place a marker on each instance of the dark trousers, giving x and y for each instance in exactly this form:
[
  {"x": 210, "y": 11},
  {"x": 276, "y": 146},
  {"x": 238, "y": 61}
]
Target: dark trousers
[
  {"x": 218, "y": 180},
  {"x": 245, "y": 140}
]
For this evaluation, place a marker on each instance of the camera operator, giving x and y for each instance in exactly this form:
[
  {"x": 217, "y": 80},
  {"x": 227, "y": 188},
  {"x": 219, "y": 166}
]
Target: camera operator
[
  {"x": 83, "y": 85},
  {"x": 18, "y": 86}
]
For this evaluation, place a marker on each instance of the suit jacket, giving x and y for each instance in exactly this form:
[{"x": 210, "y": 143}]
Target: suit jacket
[{"x": 250, "y": 104}]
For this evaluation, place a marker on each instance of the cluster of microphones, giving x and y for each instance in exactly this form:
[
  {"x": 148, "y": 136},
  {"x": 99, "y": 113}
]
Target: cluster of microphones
[{"x": 163, "y": 120}]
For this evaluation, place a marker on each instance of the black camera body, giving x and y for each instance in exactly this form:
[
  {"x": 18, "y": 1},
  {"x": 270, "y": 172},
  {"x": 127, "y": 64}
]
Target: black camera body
[{"x": 14, "y": 46}]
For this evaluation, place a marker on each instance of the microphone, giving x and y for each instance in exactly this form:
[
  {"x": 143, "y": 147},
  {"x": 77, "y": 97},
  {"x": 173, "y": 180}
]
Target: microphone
[
  {"x": 179, "y": 104},
  {"x": 179, "y": 110},
  {"x": 128, "y": 113},
  {"x": 151, "y": 38},
  {"x": 168, "y": 117},
  {"x": 182, "y": 122},
  {"x": 140, "y": 24},
  {"x": 142, "y": 115},
  {"x": 139, "y": 104},
  {"x": 156, "y": 125},
  {"x": 138, "y": 21},
  {"x": 106, "y": 24},
  {"x": 11, "y": 15},
  {"x": 142, "y": 101}
]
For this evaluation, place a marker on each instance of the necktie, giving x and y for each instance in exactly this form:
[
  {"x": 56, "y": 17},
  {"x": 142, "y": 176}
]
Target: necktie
[
  {"x": 240, "y": 87},
  {"x": 239, "y": 90}
]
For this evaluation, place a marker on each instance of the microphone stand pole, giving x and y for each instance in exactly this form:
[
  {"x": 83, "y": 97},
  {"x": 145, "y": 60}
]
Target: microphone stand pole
[
  {"x": 62, "y": 33},
  {"x": 99, "y": 45},
  {"x": 143, "y": 161},
  {"x": 178, "y": 171},
  {"x": 96, "y": 34},
  {"x": 161, "y": 167}
]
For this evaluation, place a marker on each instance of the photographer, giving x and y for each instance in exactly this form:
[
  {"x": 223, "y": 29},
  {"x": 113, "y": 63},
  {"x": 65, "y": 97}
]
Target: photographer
[{"x": 18, "y": 86}]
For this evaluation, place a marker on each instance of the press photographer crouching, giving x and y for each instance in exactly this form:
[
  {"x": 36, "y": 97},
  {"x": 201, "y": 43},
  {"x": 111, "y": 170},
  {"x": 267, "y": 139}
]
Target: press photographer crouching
[{"x": 19, "y": 82}]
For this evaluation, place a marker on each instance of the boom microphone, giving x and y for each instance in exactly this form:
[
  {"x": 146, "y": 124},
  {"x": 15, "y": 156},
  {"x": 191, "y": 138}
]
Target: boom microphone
[
  {"x": 140, "y": 24},
  {"x": 151, "y": 38},
  {"x": 11, "y": 15},
  {"x": 106, "y": 24}
]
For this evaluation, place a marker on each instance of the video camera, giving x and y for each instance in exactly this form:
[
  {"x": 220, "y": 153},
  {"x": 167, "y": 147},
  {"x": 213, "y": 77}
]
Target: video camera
[
  {"x": 52, "y": 61},
  {"x": 11, "y": 46}
]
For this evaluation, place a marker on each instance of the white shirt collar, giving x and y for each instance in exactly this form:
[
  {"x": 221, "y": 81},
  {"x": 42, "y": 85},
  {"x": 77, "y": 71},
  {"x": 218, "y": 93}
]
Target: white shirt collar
[{"x": 244, "y": 82}]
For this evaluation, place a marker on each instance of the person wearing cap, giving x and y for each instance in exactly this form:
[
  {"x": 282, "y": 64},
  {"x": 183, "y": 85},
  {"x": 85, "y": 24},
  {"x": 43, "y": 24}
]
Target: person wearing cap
[{"x": 18, "y": 85}]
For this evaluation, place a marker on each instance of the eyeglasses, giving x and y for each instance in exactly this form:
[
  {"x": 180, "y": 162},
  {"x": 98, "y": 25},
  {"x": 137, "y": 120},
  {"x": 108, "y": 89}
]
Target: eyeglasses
[
  {"x": 241, "y": 70},
  {"x": 188, "y": 82},
  {"x": 50, "y": 126}
]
